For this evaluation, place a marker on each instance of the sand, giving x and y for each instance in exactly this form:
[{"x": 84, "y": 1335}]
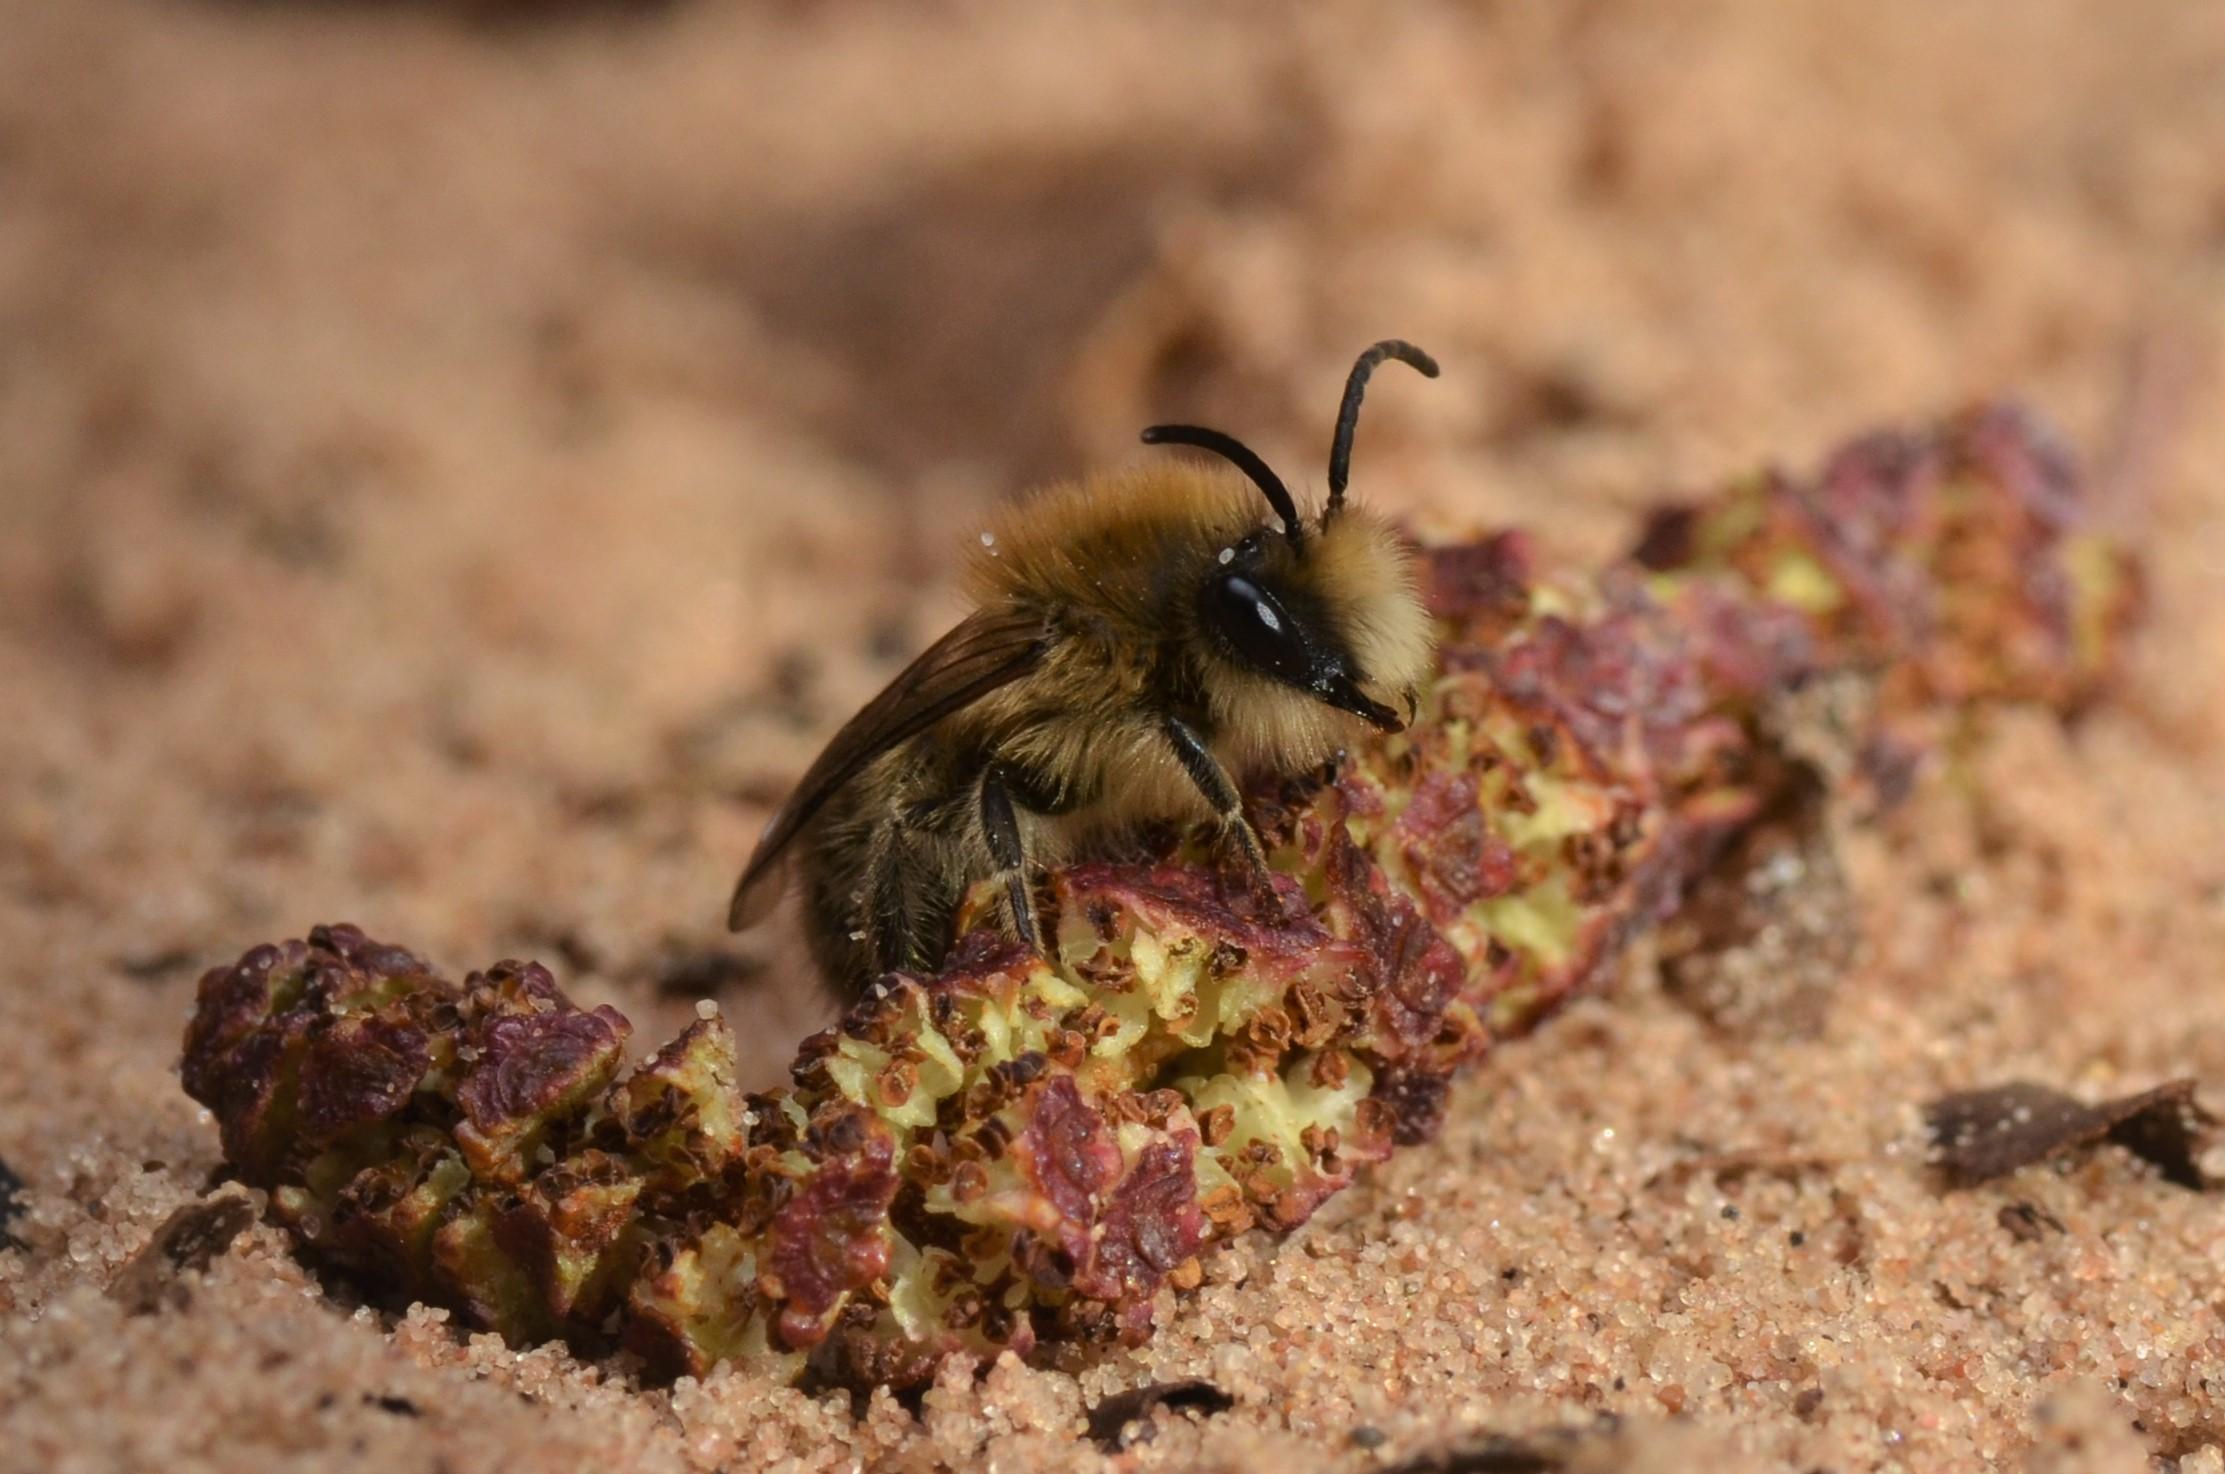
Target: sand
[{"x": 457, "y": 462}]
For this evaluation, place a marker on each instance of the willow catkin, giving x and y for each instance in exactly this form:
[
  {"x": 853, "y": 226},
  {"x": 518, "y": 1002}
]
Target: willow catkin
[{"x": 1029, "y": 1149}]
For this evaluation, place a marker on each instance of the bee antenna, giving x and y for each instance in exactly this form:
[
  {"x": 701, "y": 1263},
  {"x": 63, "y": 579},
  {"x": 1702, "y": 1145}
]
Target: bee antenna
[
  {"x": 1348, "y": 413},
  {"x": 1245, "y": 459}
]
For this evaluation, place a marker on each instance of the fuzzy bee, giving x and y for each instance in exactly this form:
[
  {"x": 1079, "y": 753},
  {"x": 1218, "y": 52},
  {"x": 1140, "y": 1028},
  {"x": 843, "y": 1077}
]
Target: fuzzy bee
[{"x": 1139, "y": 640}]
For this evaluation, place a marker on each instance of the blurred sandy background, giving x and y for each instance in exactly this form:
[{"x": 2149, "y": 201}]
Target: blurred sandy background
[{"x": 458, "y": 461}]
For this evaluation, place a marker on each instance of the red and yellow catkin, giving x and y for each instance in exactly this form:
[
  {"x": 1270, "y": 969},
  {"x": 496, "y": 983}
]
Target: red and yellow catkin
[{"x": 1025, "y": 1150}]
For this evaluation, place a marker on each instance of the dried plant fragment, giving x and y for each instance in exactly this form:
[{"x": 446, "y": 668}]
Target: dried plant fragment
[
  {"x": 1023, "y": 1150},
  {"x": 1595, "y": 1450},
  {"x": 1762, "y": 940},
  {"x": 11, "y": 1208},
  {"x": 1124, "y": 1419},
  {"x": 1609, "y": 1445},
  {"x": 1978, "y": 1135},
  {"x": 188, "y": 1242},
  {"x": 2027, "y": 1223}
]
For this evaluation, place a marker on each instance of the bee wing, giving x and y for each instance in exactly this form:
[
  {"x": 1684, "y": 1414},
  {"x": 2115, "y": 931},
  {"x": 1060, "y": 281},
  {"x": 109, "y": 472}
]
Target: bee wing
[{"x": 985, "y": 651}]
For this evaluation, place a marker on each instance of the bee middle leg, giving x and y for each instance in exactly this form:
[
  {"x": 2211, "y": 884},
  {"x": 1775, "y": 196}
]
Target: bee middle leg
[
  {"x": 891, "y": 937},
  {"x": 1220, "y": 791},
  {"x": 1000, "y": 827}
]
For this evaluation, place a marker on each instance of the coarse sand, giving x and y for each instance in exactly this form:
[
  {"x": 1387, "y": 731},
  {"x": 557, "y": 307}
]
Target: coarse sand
[{"x": 457, "y": 461}]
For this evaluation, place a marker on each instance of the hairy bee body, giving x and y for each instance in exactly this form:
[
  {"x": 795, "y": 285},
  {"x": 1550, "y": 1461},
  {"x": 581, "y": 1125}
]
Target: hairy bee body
[{"x": 1139, "y": 641}]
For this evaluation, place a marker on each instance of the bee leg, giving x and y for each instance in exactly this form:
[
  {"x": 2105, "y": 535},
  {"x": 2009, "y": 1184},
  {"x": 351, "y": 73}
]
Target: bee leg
[
  {"x": 1220, "y": 791},
  {"x": 887, "y": 936},
  {"x": 1000, "y": 825}
]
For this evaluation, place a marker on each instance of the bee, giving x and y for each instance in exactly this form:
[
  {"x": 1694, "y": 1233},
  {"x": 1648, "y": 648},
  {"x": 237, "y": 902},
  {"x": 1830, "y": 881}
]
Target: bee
[{"x": 1139, "y": 640}]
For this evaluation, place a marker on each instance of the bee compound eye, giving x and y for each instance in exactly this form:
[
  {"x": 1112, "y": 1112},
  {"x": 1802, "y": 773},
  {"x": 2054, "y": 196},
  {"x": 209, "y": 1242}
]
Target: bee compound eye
[{"x": 1257, "y": 627}]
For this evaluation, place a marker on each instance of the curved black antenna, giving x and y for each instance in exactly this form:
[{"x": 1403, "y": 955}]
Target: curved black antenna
[
  {"x": 1348, "y": 413},
  {"x": 1245, "y": 459}
]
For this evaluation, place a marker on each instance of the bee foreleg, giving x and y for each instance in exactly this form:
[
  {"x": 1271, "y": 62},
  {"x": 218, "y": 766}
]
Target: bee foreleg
[
  {"x": 1000, "y": 826},
  {"x": 1220, "y": 791}
]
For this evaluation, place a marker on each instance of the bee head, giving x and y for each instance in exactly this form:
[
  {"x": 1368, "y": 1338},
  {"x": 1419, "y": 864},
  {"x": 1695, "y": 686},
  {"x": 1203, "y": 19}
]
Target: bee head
[{"x": 1331, "y": 612}]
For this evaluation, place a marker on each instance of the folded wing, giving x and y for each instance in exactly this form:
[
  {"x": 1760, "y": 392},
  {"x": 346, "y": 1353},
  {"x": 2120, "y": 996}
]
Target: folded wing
[{"x": 983, "y": 652}]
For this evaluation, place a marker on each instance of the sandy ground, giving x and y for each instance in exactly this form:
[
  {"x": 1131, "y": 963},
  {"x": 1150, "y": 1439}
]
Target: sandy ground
[{"x": 457, "y": 462}]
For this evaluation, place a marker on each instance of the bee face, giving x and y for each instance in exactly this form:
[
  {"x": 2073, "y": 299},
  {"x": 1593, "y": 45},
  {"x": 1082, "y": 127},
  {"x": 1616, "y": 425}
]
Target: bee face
[{"x": 1262, "y": 611}]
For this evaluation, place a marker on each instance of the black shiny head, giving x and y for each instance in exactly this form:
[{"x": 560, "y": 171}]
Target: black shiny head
[
  {"x": 1283, "y": 634},
  {"x": 1272, "y": 624}
]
